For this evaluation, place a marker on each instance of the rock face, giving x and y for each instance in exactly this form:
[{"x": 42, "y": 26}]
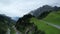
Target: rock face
[
  {"x": 39, "y": 11},
  {"x": 45, "y": 8},
  {"x": 26, "y": 27}
]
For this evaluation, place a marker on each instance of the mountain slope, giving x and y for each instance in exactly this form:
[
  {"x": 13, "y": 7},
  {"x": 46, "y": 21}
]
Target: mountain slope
[
  {"x": 45, "y": 27},
  {"x": 39, "y": 11},
  {"x": 53, "y": 17}
]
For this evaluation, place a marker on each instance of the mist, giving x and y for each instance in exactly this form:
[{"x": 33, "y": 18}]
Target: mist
[{"x": 19, "y": 8}]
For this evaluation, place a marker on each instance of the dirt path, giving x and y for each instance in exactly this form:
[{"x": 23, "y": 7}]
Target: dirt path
[
  {"x": 54, "y": 25},
  {"x": 8, "y": 31}
]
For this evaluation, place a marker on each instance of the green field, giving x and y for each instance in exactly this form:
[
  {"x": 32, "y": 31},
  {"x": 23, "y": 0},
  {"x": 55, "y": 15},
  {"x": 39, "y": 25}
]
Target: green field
[
  {"x": 44, "y": 27},
  {"x": 53, "y": 17}
]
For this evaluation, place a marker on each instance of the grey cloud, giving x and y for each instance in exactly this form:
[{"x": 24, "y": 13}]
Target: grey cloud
[{"x": 21, "y": 7}]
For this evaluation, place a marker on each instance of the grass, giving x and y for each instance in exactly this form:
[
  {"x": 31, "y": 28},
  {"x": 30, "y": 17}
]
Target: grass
[
  {"x": 53, "y": 17},
  {"x": 44, "y": 27}
]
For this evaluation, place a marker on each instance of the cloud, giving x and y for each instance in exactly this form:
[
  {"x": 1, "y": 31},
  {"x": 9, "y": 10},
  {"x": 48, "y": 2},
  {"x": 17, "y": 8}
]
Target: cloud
[{"x": 20, "y": 7}]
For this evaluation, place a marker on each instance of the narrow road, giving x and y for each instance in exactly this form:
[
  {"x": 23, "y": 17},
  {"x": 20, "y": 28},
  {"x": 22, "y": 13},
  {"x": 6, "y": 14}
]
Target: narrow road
[{"x": 54, "y": 25}]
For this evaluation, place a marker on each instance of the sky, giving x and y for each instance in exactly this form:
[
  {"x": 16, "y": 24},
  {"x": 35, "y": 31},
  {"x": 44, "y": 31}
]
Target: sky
[{"x": 19, "y": 8}]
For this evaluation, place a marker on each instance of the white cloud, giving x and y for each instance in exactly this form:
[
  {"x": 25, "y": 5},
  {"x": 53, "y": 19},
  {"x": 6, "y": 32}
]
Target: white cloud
[{"x": 20, "y": 7}]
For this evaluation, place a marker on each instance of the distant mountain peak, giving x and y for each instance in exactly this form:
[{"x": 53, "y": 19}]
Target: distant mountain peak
[{"x": 42, "y": 9}]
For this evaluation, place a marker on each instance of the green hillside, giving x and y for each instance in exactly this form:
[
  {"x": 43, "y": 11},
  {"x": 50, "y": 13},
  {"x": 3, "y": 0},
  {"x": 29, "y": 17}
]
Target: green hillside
[
  {"x": 53, "y": 17},
  {"x": 43, "y": 26}
]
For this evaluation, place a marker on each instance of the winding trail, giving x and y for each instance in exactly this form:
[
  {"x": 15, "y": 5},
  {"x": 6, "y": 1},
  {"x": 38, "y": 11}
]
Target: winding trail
[
  {"x": 8, "y": 31},
  {"x": 54, "y": 25},
  {"x": 16, "y": 31}
]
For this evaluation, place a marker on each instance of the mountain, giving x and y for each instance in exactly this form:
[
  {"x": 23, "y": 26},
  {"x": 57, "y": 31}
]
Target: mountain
[
  {"x": 55, "y": 8},
  {"x": 40, "y": 10},
  {"x": 5, "y": 23},
  {"x": 45, "y": 8},
  {"x": 25, "y": 26}
]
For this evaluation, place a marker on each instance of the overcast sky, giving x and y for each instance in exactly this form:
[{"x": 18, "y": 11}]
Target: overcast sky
[{"x": 19, "y": 8}]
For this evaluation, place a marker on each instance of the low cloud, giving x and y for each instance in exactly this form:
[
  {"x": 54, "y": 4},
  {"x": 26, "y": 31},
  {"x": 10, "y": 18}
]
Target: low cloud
[{"x": 20, "y": 7}]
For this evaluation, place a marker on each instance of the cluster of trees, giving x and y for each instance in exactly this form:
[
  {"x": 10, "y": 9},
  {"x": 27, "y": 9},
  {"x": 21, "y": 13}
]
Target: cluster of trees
[{"x": 26, "y": 27}]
